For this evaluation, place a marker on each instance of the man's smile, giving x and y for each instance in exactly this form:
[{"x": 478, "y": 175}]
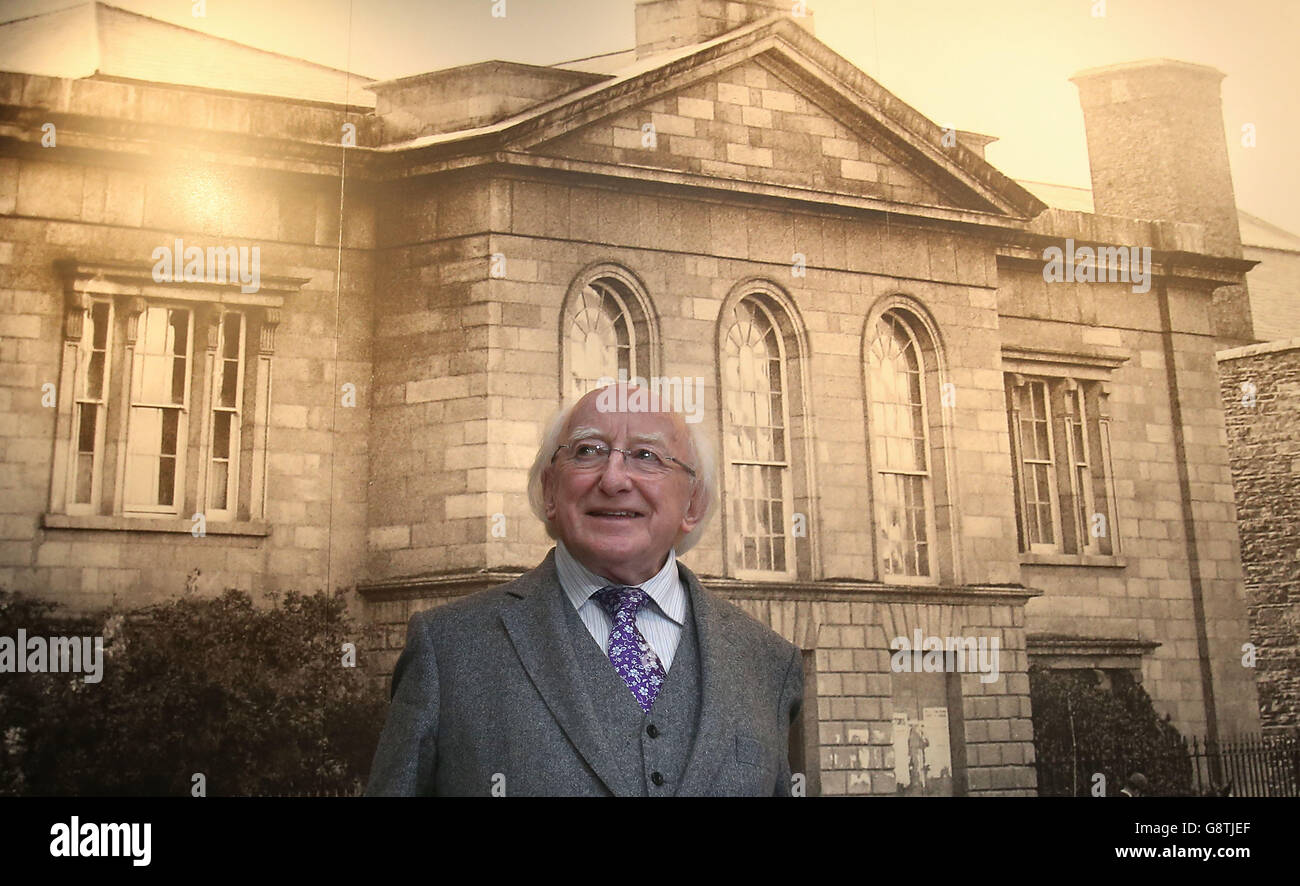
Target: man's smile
[{"x": 611, "y": 514}]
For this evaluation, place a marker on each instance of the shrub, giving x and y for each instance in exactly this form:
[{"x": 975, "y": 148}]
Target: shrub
[
  {"x": 1081, "y": 729},
  {"x": 254, "y": 698}
]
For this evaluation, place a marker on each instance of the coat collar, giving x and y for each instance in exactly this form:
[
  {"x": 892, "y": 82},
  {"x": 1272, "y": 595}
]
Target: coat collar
[{"x": 534, "y": 619}]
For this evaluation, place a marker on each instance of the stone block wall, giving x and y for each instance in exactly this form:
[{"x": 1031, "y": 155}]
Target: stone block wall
[
  {"x": 748, "y": 124},
  {"x": 84, "y": 200},
  {"x": 1147, "y": 592},
  {"x": 1261, "y": 400},
  {"x": 854, "y": 684},
  {"x": 446, "y": 460}
]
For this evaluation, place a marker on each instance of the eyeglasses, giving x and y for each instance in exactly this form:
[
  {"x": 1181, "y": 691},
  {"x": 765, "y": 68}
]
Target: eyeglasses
[{"x": 643, "y": 460}]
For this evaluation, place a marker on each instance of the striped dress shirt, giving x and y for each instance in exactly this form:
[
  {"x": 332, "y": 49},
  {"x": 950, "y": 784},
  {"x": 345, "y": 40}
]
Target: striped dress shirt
[{"x": 660, "y": 621}]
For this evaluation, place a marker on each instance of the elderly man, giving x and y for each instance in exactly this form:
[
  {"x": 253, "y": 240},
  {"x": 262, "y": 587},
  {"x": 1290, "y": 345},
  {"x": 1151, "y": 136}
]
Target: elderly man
[{"x": 608, "y": 669}]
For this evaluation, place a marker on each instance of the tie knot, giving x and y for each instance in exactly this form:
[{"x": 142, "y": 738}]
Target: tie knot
[{"x": 620, "y": 600}]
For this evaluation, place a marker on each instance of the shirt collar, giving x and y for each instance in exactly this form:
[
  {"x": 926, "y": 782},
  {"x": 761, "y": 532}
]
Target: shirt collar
[{"x": 665, "y": 587}]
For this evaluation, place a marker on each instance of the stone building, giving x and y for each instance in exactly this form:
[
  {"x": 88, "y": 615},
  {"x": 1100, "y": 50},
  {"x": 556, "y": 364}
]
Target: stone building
[
  {"x": 1261, "y": 401},
  {"x": 1261, "y": 396},
  {"x": 1259, "y": 330},
  {"x": 920, "y": 436}
]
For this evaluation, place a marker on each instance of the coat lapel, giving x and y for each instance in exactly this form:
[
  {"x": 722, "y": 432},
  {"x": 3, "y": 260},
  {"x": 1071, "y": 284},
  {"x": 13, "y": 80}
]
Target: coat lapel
[
  {"x": 718, "y": 670},
  {"x": 535, "y": 622}
]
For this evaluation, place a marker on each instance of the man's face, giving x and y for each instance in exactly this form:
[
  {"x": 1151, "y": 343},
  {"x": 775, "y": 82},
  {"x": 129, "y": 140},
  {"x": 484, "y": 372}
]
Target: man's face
[{"x": 618, "y": 523}]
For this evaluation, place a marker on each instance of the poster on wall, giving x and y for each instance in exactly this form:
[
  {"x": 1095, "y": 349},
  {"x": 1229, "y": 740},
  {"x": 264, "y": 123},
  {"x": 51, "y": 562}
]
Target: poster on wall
[{"x": 922, "y": 755}]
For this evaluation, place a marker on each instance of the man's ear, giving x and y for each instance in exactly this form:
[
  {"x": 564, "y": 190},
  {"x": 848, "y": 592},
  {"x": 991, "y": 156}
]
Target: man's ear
[
  {"x": 548, "y": 493},
  {"x": 696, "y": 508}
]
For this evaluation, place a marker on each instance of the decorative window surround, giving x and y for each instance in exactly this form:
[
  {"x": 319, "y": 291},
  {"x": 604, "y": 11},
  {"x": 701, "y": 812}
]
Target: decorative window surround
[
  {"x": 130, "y": 290},
  {"x": 1079, "y": 470}
]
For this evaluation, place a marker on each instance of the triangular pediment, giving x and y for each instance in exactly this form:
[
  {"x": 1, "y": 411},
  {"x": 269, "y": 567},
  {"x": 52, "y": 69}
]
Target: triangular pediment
[
  {"x": 750, "y": 124},
  {"x": 770, "y": 104}
]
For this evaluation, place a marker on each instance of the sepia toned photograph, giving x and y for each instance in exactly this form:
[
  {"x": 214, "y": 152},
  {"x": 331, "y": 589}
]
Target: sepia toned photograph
[{"x": 710, "y": 398}]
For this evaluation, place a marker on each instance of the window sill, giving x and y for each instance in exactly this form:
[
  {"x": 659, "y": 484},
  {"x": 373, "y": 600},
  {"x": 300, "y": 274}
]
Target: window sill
[
  {"x": 1104, "y": 560},
  {"x": 253, "y": 528}
]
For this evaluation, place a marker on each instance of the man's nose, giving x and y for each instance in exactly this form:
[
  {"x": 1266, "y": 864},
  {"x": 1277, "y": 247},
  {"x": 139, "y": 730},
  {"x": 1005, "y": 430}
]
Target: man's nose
[{"x": 615, "y": 474}]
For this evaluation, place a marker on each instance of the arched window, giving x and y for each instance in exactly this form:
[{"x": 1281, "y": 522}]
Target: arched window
[
  {"x": 900, "y": 450},
  {"x": 757, "y": 441},
  {"x": 605, "y": 334}
]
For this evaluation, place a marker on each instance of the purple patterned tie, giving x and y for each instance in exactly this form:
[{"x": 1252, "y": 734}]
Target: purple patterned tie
[{"x": 630, "y": 654}]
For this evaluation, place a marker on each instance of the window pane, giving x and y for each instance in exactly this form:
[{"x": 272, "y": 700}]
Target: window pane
[
  {"x": 1037, "y": 463},
  {"x": 152, "y": 335},
  {"x": 759, "y": 516},
  {"x": 220, "y": 483},
  {"x": 1044, "y": 484},
  {"x": 178, "y": 323},
  {"x": 229, "y": 382},
  {"x": 1033, "y": 531},
  {"x": 598, "y": 339},
  {"x": 153, "y": 379},
  {"x": 86, "y": 429},
  {"x": 1041, "y": 441},
  {"x": 900, "y": 449},
  {"x": 1085, "y": 504},
  {"x": 178, "y": 380},
  {"x": 85, "y": 477},
  {"x": 232, "y": 326},
  {"x": 221, "y": 435},
  {"x": 756, "y": 445},
  {"x": 99, "y": 325},
  {"x": 170, "y": 425},
  {"x": 890, "y": 519},
  {"x": 146, "y": 430},
  {"x": 223, "y": 457},
  {"x": 87, "y": 425},
  {"x": 141, "y": 480},
  {"x": 160, "y": 373},
  {"x": 166, "y": 480},
  {"x": 1039, "y": 503},
  {"x": 896, "y": 396},
  {"x": 95, "y": 376},
  {"x": 93, "y": 356},
  {"x": 153, "y": 448}
]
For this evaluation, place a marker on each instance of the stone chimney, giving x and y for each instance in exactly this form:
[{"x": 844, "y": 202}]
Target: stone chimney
[
  {"x": 662, "y": 25},
  {"x": 1157, "y": 148}
]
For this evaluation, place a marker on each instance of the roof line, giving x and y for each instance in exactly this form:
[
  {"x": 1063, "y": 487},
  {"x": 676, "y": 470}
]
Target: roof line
[
  {"x": 1034, "y": 181},
  {"x": 376, "y": 85},
  {"x": 587, "y": 58},
  {"x": 307, "y": 61},
  {"x": 1265, "y": 223},
  {"x": 992, "y": 189},
  {"x": 1139, "y": 64},
  {"x": 236, "y": 93},
  {"x": 25, "y": 18},
  {"x": 1254, "y": 219},
  {"x": 637, "y": 69},
  {"x": 1267, "y": 347}
]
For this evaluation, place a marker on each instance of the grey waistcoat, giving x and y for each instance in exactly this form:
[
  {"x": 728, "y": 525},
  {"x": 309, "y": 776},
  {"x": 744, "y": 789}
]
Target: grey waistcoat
[{"x": 627, "y": 729}]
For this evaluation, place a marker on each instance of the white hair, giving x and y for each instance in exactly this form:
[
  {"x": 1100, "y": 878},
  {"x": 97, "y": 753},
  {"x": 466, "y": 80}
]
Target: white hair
[{"x": 705, "y": 481}]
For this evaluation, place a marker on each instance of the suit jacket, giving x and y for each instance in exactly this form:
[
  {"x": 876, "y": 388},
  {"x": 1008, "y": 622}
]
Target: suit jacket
[{"x": 488, "y": 686}]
